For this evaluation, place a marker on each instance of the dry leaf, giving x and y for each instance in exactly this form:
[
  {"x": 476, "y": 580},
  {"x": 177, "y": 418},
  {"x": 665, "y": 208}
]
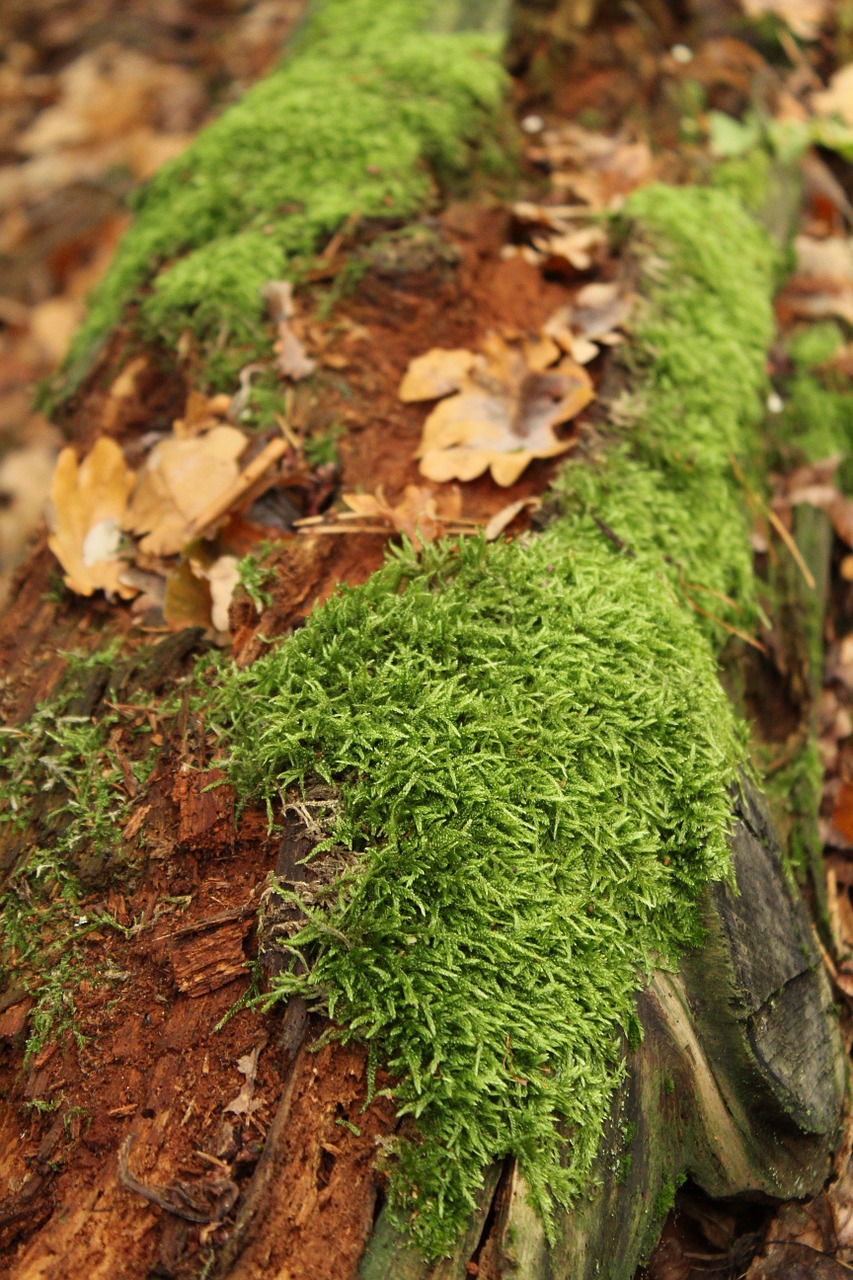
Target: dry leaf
[
  {"x": 201, "y": 413},
  {"x": 223, "y": 576},
  {"x": 823, "y": 282},
  {"x": 812, "y": 486},
  {"x": 179, "y": 480},
  {"x": 597, "y": 169},
  {"x": 599, "y": 310},
  {"x": 436, "y": 374},
  {"x": 420, "y": 514},
  {"x": 187, "y": 601},
  {"x": 503, "y": 415},
  {"x": 570, "y": 249},
  {"x": 89, "y": 504},
  {"x": 804, "y": 17},
  {"x": 503, "y": 519},
  {"x": 837, "y": 99}
]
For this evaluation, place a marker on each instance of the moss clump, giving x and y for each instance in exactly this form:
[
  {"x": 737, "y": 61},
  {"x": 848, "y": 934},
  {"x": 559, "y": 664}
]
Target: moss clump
[
  {"x": 669, "y": 490},
  {"x": 535, "y": 757},
  {"x": 817, "y": 421},
  {"x": 365, "y": 115}
]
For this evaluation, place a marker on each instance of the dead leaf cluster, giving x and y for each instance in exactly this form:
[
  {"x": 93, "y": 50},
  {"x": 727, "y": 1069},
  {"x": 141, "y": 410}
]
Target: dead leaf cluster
[
  {"x": 555, "y": 242},
  {"x": 114, "y": 530},
  {"x": 498, "y": 408}
]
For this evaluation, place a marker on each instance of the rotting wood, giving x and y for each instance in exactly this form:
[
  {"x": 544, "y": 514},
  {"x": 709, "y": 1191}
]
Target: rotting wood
[{"x": 686, "y": 1126}]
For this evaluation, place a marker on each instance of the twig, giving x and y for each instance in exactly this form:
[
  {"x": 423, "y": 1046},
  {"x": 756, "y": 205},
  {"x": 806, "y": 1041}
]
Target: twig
[
  {"x": 210, "y": 922},
  {"x": 156, "y": 1195},
  {"x": 614, "y": 537}
]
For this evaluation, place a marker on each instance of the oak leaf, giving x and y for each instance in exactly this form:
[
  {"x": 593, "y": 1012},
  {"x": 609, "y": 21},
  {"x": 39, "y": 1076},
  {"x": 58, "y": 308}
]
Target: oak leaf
[
  {"x": 89, "y": 502},
  {"x": 504, "y": 413},
  {"x": 178, "y": 482}
]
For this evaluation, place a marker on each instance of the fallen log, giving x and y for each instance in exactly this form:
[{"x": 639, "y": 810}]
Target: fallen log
[{"x": 536, "y": 795}]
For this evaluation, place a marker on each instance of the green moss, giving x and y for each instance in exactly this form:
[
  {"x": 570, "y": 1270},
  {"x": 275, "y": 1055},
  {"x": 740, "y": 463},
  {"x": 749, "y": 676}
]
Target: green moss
[
  {"x": 817, "y": 421},
  {"x": 368, "y": 113},
  {"x": 665, "y": 1198},
  {"x": 669, "y": 489},
  {"x": 746, "y": 177},
  {"x": 535, "y": 756}
]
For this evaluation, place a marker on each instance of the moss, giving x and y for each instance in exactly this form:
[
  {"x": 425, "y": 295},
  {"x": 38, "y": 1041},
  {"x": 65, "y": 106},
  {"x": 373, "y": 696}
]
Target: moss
[
  {"x": 669, "y": 489},
  {"x": 369, "y": 112},
  {"x": 817, "y": 421},
  {"x": 665, "y": 1198},
  {"x": 535, "y": 756},
  {"x": 746, "y": 177}
]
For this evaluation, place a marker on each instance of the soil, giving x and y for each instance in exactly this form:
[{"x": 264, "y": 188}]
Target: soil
[{"x": 164, "y": 1039}]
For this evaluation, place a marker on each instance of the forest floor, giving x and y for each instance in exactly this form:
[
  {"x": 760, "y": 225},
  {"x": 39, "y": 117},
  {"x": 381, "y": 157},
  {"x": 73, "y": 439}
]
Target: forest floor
[{"x": 107, "y": 1024}]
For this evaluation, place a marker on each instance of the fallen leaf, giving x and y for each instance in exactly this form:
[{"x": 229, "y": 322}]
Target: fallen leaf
[
  {"x": 201, "y": 413},
  {"x": 596, "y": 168},
  {"x": 187, "y": 599},
  {"x": 223, "y": 576},
  {"x": 89, "y": 503},
  {"x": 812, "y": 486},
  {"x": 179, "y": 480},
  {"x": 503, "y": 415},
  {"x": 420, "y": 514},
  {"x": 600, "y": 309},
  {"x": 822, "y": 284},
  {"x": 837, "y": 98},
  {"x": 436, "y": 374},
  {"x": 804, "y": 17},
  {"x": 503, "y": 519}
]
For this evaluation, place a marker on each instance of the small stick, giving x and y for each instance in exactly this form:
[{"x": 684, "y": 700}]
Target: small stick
[{"x": 155, "y": 1195}]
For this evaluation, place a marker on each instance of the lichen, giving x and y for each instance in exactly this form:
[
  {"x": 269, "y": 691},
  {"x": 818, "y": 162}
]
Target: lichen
[
  {"x": 368, "y": 113},
  {"x": 535, "y": 756}
]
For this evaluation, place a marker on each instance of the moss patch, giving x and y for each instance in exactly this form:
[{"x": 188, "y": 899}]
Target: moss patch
[
  {"x": 367, "y": 114},
  {"x": 535, "y": 756}
]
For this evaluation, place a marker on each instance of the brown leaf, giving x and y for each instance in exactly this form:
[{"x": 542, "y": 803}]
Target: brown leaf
[
  {"x": 179, "y": 480},
  {"x": 503, "y": 415},
  {"x": 436, "y": 374},
  {"x": 823, "y": 282},
  {"x": 503, "y": 519},
  {"x": 244, "y": 1104},
  {"x": 89, "y": 504},
  {"x": 201, "y": 414}
]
